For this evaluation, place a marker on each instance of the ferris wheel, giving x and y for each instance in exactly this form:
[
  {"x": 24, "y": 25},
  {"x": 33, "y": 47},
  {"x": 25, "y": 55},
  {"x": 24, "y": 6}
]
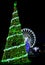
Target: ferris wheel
[{"x": 31, "y": 36}]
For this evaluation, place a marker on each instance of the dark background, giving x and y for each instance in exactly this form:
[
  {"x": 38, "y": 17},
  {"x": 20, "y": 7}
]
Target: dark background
[{"x": 31, "y": 16}]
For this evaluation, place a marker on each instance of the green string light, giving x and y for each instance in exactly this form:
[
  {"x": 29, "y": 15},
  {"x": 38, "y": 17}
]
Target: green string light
[
  {"x": 15, "y": 58},
  {"x": 14, "y": 35},
  {"x": 14, "y": 47},
  {"x": 14, "y": 26}
]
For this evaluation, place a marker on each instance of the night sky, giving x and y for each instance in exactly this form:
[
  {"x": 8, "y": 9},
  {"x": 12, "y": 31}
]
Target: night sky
[{"x": 31, "y": 16}]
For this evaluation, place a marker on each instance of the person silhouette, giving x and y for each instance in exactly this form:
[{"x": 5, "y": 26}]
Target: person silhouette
[{"x": 27, "y": 45}]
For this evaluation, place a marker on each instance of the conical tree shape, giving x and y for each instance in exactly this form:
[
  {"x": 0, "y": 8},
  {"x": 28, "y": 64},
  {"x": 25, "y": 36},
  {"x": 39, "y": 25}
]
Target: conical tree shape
[{"x": 14, "y": 51}]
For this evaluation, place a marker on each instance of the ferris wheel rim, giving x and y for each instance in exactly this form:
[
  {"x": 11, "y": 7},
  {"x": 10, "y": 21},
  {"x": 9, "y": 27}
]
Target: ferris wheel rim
[{"x": 32, "y": 32}]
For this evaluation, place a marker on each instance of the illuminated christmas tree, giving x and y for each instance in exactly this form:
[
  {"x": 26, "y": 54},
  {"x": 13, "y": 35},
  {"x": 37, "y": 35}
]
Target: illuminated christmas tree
[{"x": 14, "y": 51}]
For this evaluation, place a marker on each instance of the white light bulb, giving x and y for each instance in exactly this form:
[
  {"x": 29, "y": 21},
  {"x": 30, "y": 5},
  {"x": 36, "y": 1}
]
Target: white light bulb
[{"x": 35, "y": 48}]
